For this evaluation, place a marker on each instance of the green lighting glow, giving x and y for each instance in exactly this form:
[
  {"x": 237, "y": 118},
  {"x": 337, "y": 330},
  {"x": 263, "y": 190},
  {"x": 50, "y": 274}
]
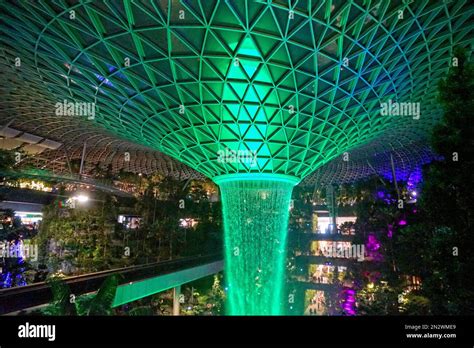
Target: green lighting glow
[
  {"x": 256, "y": 209},
  {"x": 295, "y": 91}
]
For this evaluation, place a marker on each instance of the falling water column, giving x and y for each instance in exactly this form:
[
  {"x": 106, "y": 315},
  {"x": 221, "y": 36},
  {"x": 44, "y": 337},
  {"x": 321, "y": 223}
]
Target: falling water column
[{"x": 255, "y": 209}]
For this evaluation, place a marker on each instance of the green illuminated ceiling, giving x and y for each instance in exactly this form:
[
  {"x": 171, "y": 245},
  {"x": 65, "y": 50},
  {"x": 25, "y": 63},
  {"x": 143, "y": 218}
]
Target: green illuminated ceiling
[{"x": 242, "y": 75}]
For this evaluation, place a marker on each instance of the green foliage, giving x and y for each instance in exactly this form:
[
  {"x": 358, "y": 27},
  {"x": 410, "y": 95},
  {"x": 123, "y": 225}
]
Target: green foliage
[
  {"x": 99, "y": 303},
  {"x": 455, "y": 132},
  {"x": 416, "y": 305},
  {"x": 80, "y": 236},
  {"x": 380, "y": 300},
  {"x": 7, "y": 160},
  {"x": 207, "y": 298},
  {"x": 61, "y": 303}
]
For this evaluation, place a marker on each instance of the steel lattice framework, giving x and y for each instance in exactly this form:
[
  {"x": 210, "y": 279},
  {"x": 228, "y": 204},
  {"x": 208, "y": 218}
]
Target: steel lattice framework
[
  {"x": 295, "y": 84},
  {"x": 298, "y": 82},
  {"x": 365, "y": 162}
]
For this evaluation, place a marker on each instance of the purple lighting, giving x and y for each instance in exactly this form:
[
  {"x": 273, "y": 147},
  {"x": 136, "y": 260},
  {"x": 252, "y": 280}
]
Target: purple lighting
[
  {"x": 348, "y": 301},
  {"x": 372, "y": 247},
  {"x": 372, "y": 243},
  {"x": 390, "y": 231}
]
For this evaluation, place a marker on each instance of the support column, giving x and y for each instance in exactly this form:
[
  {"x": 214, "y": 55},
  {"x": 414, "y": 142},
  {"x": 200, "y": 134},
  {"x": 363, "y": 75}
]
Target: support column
[
  {"x": 394, "y": 176},
  {"x": 176, "y": 295},
  {"x": 332, "y": 207},
  {"x": 82, "y": 159}
]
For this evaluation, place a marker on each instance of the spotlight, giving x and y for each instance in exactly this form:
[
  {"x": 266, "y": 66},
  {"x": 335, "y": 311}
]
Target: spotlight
[{"x": 81, "y": 198}]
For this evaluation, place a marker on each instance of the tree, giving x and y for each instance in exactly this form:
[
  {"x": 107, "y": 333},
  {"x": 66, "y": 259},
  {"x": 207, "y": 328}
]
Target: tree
[{"x": 7, "y": 160}]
